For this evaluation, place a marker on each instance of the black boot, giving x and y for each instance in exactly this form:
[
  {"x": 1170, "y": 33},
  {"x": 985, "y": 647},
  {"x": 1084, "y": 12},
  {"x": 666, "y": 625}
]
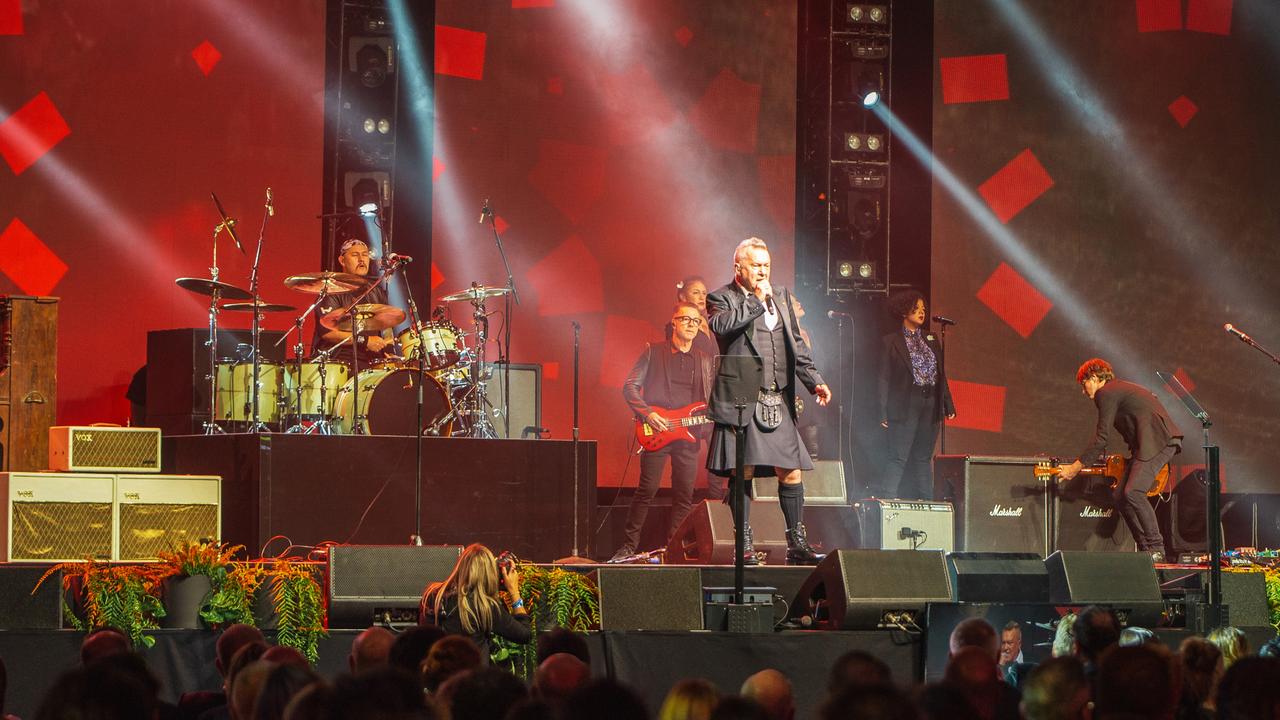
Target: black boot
[
  {"x": 798, "y": 550},
  {"x": 748, "y": 547}
]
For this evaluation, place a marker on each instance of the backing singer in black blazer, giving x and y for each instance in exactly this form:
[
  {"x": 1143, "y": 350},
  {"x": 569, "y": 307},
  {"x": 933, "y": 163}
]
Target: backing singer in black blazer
[{"x": 912, "y": 400}]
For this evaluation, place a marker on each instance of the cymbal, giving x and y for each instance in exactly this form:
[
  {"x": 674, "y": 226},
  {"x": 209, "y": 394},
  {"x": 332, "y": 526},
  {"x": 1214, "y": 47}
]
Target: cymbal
[
  {"x": 262, "y": 307},
  {"x": 327, "y": 281},
  {"x": 204, "y": 286},
  {"x": 476, "y": 292},
  {"x": 375, "y": 317}
]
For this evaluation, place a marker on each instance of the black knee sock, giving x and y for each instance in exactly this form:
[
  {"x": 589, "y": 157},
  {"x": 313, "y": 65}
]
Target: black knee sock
[{"x": 791, "y": 498}]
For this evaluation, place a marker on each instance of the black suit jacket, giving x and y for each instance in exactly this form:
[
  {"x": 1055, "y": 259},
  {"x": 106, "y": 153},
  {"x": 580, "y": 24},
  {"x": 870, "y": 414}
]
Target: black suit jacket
[
  {"x": 639, "y": 388},
  {"x": 1135, "y": 413},
  {"x": 732, "y": 314},
  {"x": 896, "y": 381}
]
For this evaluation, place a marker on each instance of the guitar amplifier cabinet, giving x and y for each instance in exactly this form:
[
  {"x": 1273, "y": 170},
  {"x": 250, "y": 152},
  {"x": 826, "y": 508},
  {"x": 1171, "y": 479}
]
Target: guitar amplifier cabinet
[
  {"x": 52, "y": 517},
  {"x": 1086, "y": 518},
  {"x": 1000, "y": 505},
  {"x": 906, "y": 524},
  {"x": 160, "y": 512},
  {"x": 104, "y": 449}
]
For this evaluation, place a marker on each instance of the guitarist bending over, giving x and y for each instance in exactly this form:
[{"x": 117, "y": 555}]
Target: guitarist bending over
[
  {"x": 665, "y": 377},
  {"x": 1135, "y": 413}
]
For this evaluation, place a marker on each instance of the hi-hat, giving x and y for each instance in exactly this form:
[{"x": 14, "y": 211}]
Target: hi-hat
[
  {"x": 476, "y": 292},
  {"x": 327, "y": 282},
  {"x": 204, "y": 286},
  {"x": 262, "y": 307},
  {"x": 373, "y": 316}
]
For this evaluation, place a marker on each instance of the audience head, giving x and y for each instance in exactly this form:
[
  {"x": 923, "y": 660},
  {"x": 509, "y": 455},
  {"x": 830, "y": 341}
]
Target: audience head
[
  {"x": 380, "y": 694},
  {"x": 474, "y": 585},
  {"x": 1137, "y": 681},
  {"x": 1201, "y": 668},
  {"x": 975, "y": 632},
  {"x": 1132, "y": 636},
  {"x": 1096, "y": 629},
  {"x": 285, "y": 655},
  {"x": 1064, "y": 636},
  {"x": 868, "y": 702},
  {"x": 558, "y": 676},
  {"x": 370, "y": 649},
  {"x": 242, "y": 658},
  {"x": 560, "y": 640},
  {"x": 97, "y": 691},
  {"x": 1010, "y": 642},
  {"x": 410, "y": 647},
  {"x": 232, "y": 639},
  {"x": 104, "y": 642},
  {"x": 1232, "y": 642},
  {"x": 313, "y": 702},
  {"x": 736, "y": 707},
  {"x": 278, "y": 687},
  {"x": 857, "y": 668},
  {"x": 1250, "y": 688},
  {"x": 450, "y": 655},
  {"x": 604, "y": 698},
  {"x": 245, "y": 687},
  {"x": 944, "y": 701},
  {"x": 1057, "y": 689},
  {"x": 1270, "y": 648},
  {"x": 483, "y": 694},
  {"x": 772, "y": 691},
  {"x": 975, "y": 672},
  {"x": 689, "y": 699}
]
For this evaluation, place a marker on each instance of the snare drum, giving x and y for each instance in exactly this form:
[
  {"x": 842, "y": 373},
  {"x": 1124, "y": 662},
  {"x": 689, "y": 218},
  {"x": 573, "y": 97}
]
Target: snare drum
[
  {"x": 234, "y": 398},
  {"x": 443, "y": 342},
  {"x": 388, "y": 403},
  {"x": 335, "y": 376}
]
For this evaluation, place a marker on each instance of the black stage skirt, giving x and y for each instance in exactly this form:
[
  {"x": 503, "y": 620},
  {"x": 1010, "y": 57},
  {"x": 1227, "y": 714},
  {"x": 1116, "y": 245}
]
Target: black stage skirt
[{"x": 767, "y": 450}]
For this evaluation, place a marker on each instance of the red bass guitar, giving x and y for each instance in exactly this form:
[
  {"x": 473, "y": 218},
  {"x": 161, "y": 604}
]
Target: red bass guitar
[{"x": 680, "y": 420}]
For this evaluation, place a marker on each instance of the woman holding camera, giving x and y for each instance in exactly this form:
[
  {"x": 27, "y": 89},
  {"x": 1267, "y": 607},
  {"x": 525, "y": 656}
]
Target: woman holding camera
[{"x": 467, "y": 602}]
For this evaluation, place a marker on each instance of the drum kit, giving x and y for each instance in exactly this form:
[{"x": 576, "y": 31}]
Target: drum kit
[{"x": 328, "y": 393}]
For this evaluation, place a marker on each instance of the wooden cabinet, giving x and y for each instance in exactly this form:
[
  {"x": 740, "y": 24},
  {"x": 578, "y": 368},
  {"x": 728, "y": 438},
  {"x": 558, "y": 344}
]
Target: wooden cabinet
[{"x": 28, "y": 380}]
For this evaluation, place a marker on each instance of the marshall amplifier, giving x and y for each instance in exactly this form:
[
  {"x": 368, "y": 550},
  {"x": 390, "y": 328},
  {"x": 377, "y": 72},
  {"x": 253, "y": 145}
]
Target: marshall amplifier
[
  {"x": 906, "y": 524},
  {"x": 999, "y": 502},
  {"x": 104, "y": 449},
  {"x": 1085, "y": 518}
]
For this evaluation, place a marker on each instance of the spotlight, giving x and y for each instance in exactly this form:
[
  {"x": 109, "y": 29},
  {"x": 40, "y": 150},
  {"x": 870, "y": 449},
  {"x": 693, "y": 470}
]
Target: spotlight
[
  {"x": 384, "y": 126},
  {"x": 876, "y": 16},
  {"x": 369, "y": 125},
  {"x": 845, "y": 269},
  {"x": 862, "y": 142},
  {"x": 870, "y": 99},
  {"x": 369, "y": 209},
  {"x": 864, "y": 214},
  {"x": 372, "y": 59},
  {"x": 866, "y": 270},
  {"x": 365, "y": 193}
]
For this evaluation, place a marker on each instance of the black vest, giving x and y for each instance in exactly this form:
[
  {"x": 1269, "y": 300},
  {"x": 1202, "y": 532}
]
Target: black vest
[{"x": 772, "y": 346}]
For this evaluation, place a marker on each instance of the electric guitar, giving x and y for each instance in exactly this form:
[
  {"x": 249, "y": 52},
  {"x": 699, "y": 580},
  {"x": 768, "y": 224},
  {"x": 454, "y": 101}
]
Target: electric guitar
[
  {"x": 680, "y": 420},
  {"x": 1115, "y": 468}
]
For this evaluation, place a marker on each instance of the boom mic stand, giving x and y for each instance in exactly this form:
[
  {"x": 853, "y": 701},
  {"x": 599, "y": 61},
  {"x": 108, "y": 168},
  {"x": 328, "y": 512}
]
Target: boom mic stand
[
  {"x": 256, "y": 328},
  {"x": 414, "y": 322},
  {"x": 513, "y": 296}
]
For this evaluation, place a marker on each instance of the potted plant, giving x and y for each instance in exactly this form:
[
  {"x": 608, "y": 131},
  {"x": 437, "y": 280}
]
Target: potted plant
[
  {"x": 298, "y": 602},
  {"x": 125, "y": 597},
  {"x": 554, "y": 597},
  {"x": 195, "y": 573}
]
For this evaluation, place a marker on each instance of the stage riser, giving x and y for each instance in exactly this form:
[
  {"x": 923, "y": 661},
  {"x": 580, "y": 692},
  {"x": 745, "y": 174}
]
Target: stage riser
[{"x": 508, "y": 494}]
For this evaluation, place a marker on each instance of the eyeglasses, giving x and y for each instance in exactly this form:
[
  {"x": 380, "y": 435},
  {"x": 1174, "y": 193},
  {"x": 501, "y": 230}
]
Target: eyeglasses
[{"x": 695, "y": 321}]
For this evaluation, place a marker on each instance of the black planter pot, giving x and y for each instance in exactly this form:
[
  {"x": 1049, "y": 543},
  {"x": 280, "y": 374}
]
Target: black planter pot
[
  {"x": 264, "y": 612},
  {"x": 183, "y": 597}
]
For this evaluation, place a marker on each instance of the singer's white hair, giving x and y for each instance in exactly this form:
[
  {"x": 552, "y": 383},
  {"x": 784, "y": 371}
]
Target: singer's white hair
[{"x": 751, "y": 242}]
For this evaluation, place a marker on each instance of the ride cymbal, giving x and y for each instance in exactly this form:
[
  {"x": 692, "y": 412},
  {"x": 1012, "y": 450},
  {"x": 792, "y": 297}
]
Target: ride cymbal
[
  {"x": 205, "y": 286},
  {"x": 373, "y": 316},
  {"x": 327, "y": 282},
  {"x": 475, "y": 292}
]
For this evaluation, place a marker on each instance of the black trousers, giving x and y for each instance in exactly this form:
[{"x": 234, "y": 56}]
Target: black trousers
[
  {"x": 684, "y": 468},
  {"x": 909, "y": 474},
  {"x": 1135, "y": 508}
]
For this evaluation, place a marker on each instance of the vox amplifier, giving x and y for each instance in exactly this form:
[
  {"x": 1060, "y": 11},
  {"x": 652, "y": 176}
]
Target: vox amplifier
[
  {"x": 74, "y": 448},
  {"x": 160, "y": 512},
  {"x": 51, "y": 517}
]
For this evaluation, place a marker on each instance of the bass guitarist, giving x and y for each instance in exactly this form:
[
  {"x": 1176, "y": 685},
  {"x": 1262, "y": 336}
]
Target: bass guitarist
[
  {"x": 669, "y": 375},
  {"x": 1137, "y": 416}
]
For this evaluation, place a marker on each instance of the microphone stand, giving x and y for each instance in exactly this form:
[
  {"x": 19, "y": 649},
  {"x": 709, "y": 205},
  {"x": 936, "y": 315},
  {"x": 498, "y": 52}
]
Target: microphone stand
[
  {"x": 1253, "y": 344},
  {"x": 256, "y": 328},
  {"x": 577, "y": 331},
  {"x": 942, "y": 371},
  {"x": 505, "y": 358},
  {"x": 416, "y": 537}
]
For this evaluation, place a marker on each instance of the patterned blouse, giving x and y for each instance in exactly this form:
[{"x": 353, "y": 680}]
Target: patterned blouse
[{"x": 924, "y": 365}]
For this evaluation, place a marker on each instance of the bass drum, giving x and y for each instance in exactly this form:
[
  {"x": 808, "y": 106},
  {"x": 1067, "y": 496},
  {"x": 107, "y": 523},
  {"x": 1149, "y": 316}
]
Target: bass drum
[{"x": 388, "y": 404}]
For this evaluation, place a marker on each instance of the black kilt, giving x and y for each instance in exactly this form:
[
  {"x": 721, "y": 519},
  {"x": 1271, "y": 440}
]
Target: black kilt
[{"x": 766, "y": 450}]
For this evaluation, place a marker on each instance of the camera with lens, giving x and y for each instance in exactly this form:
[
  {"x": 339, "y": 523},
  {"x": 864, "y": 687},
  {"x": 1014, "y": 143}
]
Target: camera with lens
[{"x": 506, "y": 561}]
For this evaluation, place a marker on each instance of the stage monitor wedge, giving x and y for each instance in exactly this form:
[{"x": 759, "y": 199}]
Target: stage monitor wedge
[
  {"x": 989, "y": 577},
  {"x": 873, "y": 589},
  {"x": 644, "y": 597},
  {"x": 383, "y": 583}
]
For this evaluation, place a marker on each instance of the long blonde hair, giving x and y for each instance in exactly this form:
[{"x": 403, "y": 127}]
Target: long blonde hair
[{"x": 474, "y": 582}]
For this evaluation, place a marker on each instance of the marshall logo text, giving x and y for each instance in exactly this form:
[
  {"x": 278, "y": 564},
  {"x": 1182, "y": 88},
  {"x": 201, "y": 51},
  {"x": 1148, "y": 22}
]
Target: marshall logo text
[
  {"x": 999, "y": 510},
  {"x": 1091, "y": 511}
]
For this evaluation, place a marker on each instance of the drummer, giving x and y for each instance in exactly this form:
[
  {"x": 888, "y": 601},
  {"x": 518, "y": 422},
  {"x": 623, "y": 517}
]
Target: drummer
[{"x": 353, "y": 258}]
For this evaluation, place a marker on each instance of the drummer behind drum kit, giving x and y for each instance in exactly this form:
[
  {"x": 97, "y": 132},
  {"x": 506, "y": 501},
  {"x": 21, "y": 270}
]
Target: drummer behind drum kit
[{"x": 328, "y": 393}]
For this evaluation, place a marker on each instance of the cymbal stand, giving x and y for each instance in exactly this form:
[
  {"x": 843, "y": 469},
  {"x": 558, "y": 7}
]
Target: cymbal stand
[
  {"x": 211, "y": 426},
  {"x": 357, "y": 327},
  {"x": 256, "y": 386},
  {"x": 477, "y": 397},
  {"x": 323, "y": 426},
  {"x": 298, "y": 323}
]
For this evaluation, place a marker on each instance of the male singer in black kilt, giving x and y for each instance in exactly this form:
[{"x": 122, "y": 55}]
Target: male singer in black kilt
[{"x": 752, "y": 319}]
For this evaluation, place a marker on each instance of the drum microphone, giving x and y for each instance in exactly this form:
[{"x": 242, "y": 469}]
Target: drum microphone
[
  {"x": 271, "y": 208},
  {"x": 943, "y": 320},
  {"x": 1234, "y": 331},
  {"x": 485, "y": 211},
  {"x": 397, "y": 259}
]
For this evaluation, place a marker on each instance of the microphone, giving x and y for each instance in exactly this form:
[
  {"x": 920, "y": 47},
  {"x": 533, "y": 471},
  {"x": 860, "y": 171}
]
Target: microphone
[
  {"x": 836, "y": 314},
  {"x": 271, "y": 208},
  {"x": 227, "y": 223},
  {"x": 943, "y": 320},
  {"x": 397, "y": 259},
  {"x": 485, "y": 211},
  {"x": 1234, "y": 331}
]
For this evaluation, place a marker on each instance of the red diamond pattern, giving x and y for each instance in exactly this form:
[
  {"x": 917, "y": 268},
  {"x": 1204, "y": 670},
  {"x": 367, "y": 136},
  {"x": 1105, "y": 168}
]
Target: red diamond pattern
[
  {"x": 974, "y": 78},
  {"x": 978, "y": 406},
  {"x": 1209, "y": 16},
  {"x": 437, "y": 277},
  {"x": 10, "y": 17},
  {"x": 28, "y": 262},
  {"x": 1015, "y": 186},
  {"x": 727, "y": 113},
  {"x": 500, "y": 225},
  {"x": 1159, "y": 15},
  {"x": 459, "y": 52},
  {"x": 1183, "y": 110},
  {"x": 1014, "y": 300},
  {"x": 568, "y": 280},
  {"x": 31, "y": 132},
  {"x": 684, "y": 36},
  {"x": 206, "y": 57}
]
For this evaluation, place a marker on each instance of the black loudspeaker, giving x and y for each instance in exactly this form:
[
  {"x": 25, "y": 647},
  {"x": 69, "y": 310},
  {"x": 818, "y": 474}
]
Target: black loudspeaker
[
  {"x": 868, "y": 589},
  {"x": 383, "y": 583},
  {"x": 1182, "y": 519},
  {"x": 706, "y": 535},
  {"x": 1267, "y": 521},
  {"x": 526, "y": 397},
  {"x": 644, "y": 597},
  {"x": 1079, "y": 577},
  {"x": 998, "y": 577},
  {"x": 20, "y": 609},
  {"x": 1239, "y": 520},
  {"x": 999, "y": 503},
  {"x": 1085, "y": 518}
]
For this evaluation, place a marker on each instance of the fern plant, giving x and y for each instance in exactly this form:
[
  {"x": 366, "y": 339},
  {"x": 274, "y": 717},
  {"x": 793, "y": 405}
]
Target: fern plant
[
  {"x": 231, "y": 601},
  {"x": 224, "y": 605},
  {"x": 125, "y": 597},
  {"x": 299, "y": 605},
  {"x": 554, "y": 597}
]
